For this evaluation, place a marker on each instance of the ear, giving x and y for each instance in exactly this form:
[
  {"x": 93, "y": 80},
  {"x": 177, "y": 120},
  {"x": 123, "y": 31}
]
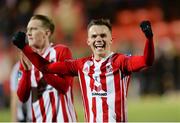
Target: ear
[
  {"x": 48, "y": 33},
  {"x": 88, "y": 42},
  {"x": 111, "y": 40}
]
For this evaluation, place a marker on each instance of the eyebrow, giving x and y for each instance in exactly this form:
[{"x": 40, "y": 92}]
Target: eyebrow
[{"x": 101, "y": 34}]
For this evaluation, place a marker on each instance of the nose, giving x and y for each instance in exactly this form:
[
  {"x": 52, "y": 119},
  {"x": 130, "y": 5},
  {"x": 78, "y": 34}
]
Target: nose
[
  {"x": 28, "y": 33},
  {"x": 98, "y": 38}
]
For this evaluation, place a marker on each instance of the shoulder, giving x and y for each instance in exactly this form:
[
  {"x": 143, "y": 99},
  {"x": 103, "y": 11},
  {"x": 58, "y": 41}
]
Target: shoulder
[
  {"x": 60, "y": 47},
  {"x": 80, "y": 61},
  {"x": 120, "y": 55},
  {"x": 84, "y": 59}
]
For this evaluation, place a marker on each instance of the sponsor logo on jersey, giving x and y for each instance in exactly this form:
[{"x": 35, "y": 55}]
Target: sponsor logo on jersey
[{"x": 97, "y": 89}]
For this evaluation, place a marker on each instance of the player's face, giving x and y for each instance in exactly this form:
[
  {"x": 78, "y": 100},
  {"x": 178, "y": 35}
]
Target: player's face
[
  {"x": 37, "y": 34},
  {"x": 100, "y": 40}
]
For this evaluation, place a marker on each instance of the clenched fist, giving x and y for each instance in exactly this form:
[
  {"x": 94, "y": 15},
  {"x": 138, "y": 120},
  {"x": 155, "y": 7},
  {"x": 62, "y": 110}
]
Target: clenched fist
[
  {"x": 146, "y": 28},
  {"x": 19, "y": 39}
]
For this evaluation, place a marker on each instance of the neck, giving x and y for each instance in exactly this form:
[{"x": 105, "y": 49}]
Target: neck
[
  {"x": 101, "y": 56},
  {"x": 41, "y": 50}
]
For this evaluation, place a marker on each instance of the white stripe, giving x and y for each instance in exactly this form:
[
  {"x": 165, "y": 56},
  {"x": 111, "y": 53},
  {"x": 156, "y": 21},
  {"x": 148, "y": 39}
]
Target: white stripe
[
  {"x": 97, "y": 82},
  {"x": 88, "y": 90},
  {"x": 37, "y": 111},
  {"x": 60, "y": 117},
  {"x": 89, "y": 97},
  {"x": 52, "y": 55},
  {"x": 47, "y": 106},
  {"x": 33, "y": 78},
  {"x": 111, "y": 94},
  {"x": 70, "y": 105},
  {"x": 67, "y": 110}
]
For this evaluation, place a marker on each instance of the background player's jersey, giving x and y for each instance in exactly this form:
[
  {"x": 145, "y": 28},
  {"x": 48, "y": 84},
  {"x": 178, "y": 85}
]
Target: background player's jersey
[{"x": 47, "y": 103}]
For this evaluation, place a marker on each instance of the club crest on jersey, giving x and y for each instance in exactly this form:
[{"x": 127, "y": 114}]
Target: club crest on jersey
[
  {"x": 109, "y": 68},
  {"x": 19, "y": 74}
]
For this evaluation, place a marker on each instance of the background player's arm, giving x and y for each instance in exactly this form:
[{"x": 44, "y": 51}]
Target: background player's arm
[
  {"x": 61, "y": 68},
  {"x": 24, "y": 84},
  {"x": 65, "y": 68}
]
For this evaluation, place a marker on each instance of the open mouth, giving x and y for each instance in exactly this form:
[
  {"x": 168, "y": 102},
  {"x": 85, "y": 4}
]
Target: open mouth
[{"x": 99, "y": 45}]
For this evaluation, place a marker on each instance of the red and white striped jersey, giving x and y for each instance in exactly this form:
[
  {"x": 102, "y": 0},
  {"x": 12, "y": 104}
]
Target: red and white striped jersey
[
  {"x": 104, "y": 87},
  {"x": 48, "y": 104},
  {"x": 104, "y": 83}
]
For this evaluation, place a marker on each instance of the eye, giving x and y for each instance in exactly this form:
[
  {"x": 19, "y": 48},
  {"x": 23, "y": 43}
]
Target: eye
[
  {"x": 93, "y": 36},
  {"x": 34, "y": 28},
  {"x": 103, "y": 35}
]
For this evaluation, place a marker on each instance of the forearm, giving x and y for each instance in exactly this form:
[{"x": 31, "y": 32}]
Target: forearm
[
  {"x": 24, "y": 87},
  {"x": 38, "y": 61},
  {"x": 61, "y": 84},
  {"x": 44, "y": 65},
  {"x": 149, "y": 52}
]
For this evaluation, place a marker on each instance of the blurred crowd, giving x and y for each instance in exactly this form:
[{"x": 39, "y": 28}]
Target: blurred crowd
[{"x": 71, "y": 18}]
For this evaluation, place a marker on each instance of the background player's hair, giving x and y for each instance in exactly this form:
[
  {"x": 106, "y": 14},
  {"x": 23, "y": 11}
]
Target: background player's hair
[
  {"x": 105, "y": 22},
  {"x": 47, "y": 22}
]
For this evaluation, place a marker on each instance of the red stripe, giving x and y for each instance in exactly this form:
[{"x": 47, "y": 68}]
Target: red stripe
[
  {"x": 104, "y": 88},
  {"x": 105, "y": 109},
  {"x": 53, "y": 105},
  {"x": 33, "y": 115},
  {"x": 37, "y": 75},
  {"x": 43, "y": 113},
  {"x": 68, "y": 108},
  {"x": 72, "y": 101},
  {"x": 94, "y": 108},
  {"x": 85, "y": 99},
  {"x": 91, "y": 72},
  {"x": 63, "y": 108},
  {"x": 123, "y": 100},
  {"x": 117, "y": 96}
]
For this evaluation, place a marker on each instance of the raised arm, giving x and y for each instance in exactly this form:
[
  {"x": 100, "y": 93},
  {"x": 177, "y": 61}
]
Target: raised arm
[
  {"x": 62, "y": 68},
  {"x": 135, "y": 63}
]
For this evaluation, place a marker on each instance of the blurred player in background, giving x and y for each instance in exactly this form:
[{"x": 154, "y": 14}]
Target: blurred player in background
[
  {"x": 104, "y": 76},
  {"x": 20, "y": 112},
  {"x": 52, "y": 99}
]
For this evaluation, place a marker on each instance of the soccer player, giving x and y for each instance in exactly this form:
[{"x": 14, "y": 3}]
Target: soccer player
[
  {"x": 52, "y": 99},
  {"x": 104, "y": 76}
]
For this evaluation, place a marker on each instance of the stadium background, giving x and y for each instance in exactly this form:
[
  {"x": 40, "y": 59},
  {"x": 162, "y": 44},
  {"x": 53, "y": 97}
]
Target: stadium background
[{"x": 154, "y": 95}]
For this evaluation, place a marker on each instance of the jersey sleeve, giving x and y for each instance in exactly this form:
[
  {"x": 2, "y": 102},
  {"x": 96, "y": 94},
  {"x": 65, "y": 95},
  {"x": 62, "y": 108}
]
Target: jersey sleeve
[
  {"x": 61, "y": 83},
  {"x": 136, "y": 63},
  {"x": 24, "y": 84},
  {"x": 67, "y": 67}
]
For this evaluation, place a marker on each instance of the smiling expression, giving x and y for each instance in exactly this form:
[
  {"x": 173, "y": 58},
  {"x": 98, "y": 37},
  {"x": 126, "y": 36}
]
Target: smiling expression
[{"x": 100, "y": 40}]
